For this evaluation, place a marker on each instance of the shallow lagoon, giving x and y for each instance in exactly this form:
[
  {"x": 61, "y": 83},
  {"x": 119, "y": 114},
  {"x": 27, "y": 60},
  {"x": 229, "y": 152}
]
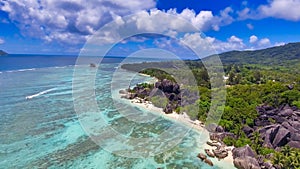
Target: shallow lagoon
[{"x": 44, "y": 132}]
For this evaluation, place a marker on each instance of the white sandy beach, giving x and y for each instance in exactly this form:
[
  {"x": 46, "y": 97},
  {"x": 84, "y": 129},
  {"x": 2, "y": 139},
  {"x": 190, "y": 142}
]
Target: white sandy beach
[{"x": 226, "y": 163}]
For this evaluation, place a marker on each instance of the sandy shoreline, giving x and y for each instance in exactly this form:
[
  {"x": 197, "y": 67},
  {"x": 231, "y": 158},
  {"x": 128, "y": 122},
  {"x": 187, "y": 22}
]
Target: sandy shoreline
[{"x": 195, "y": 125}]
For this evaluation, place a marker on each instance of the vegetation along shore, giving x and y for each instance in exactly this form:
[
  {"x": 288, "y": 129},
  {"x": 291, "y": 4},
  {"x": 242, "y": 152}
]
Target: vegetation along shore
[{"x": 261, "y": 116}]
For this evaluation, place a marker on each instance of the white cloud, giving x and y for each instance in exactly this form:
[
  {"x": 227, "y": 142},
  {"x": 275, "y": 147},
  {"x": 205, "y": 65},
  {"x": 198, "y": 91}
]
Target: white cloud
[
  {"x": 284, "y": 9},
  {"x": 68, "y": 21},
  {"x": 244, "y": 3},
  {"x": 279, "y": 44},
  {"x": 253, "y": 39},
  {"x": 257, "y": 43},
  {"x": 264, "y": 42},
  {"x": 234, "y": 39},
  {"x": 202, "y": 45},
  {"x": 72, "y": 22},
  {"x": 210, "y": 45},
  {"x": 250, "y": 26},
  {"x": 232, "y": 43},
  {"x": 201, "y": 20},
  {"x": 1, "y": 41},
  {"x": 244, "y": 14},
  {"x": 157, "y": 20},
  {"x": 224, "y": 19}
]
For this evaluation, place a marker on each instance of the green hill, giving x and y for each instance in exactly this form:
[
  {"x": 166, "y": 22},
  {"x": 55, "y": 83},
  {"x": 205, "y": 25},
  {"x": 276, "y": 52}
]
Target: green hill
[
  {"x": 2, "y": 53},
  {"x": 280, "y": 56}
]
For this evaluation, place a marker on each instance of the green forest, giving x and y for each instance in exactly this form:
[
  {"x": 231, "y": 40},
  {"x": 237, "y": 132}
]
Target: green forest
[{"x": 268, "y": 77}]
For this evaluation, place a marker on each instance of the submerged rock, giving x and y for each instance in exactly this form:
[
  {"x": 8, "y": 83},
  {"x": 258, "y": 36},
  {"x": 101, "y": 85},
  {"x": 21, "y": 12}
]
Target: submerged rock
[
  {"x": 208, "y": 161},
  {"x": 201, "y": 156},
  {"x": 210, "y": 154},
  {"x": 92, "y": 65}
]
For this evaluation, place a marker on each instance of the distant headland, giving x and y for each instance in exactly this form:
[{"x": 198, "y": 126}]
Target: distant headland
[{"x": 2, "y": 53}]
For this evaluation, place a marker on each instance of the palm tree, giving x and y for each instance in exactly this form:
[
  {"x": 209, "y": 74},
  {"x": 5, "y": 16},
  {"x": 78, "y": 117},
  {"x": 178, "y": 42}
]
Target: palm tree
[
  {"x": 278, "y": 159},
  {"x": 226, "y": 124},
  {"x": 295, "y": 158},
  {"x": 256, "y": 141},
  {"x": 286, "y": 150}
]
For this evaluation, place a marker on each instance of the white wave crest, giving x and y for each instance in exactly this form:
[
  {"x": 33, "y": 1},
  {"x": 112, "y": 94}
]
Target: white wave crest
[
  {"x": 20, "y": 70},
  {"x": 40, "y": 93}
]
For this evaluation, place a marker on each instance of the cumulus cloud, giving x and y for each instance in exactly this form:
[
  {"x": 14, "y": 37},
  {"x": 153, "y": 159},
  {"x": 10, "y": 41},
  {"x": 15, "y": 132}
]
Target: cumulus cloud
[
  {"x": 68, "y": 21},
  {"x": 244, "y": 14},
  {"x": 197, "y": 42},
  {"x": 232, "y": 43},
  {"x": 282, "y": 9},
  {"x": 73, "y": 21},
  {"x": 253, "y": 39},
  {"x": 250, "y": 26},
  {"x": 225, "y": 18},
  {"x": 211, "y": 45},
  {"x": 1, "y": 41},
  {"x": 157, "y": 20},
  {"x": 200, "y": 20},
  {"x": 258, "y": 43},
  {"x": 234, "y": 39},
  {"x": 279, "y": 44},
  {"x": 205, "y": 20},
  {"x": 264, "y": 42}
]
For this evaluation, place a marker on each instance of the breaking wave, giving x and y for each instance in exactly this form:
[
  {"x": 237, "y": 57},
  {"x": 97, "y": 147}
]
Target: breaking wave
[{"x": 40, "y": 93}]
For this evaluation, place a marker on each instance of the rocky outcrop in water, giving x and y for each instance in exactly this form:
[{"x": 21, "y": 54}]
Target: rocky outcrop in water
[
  {"x": 204, "y": 158},
  {"x": 2, "y": 53},
  {"x": 92, "y": 65}
]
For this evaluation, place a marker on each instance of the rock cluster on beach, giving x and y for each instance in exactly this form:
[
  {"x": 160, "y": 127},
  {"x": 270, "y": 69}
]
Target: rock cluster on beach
[
  {"x": 277, "y": 127},
  {"x": 218, "y": 150},
  {"x": 204, "y": 158},
  {"x": 165, "y": 88}
]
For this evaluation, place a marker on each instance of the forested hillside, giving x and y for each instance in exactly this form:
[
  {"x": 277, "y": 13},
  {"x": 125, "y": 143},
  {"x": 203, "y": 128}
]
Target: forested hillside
[{"x": 262, "y": 102}]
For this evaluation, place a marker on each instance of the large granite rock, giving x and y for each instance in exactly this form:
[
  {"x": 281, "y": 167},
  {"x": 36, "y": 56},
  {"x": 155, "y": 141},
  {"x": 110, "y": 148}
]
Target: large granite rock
[
  {"x": 246, "y": 163},
  {"x": 247, "y": 130},
  {"x": 243, "y": 152},
  {"x": 294, "y": 144},
  {"x": 295, "y": 136},
  {"x": 281, "y": 138},
  {"x": 221, "y": 136},
  {"x": 286, "y": 112},
  {"x": 278, "y": 126},
  {"x": 245, "y": 158},
  {"x": 163, "y": 88}
]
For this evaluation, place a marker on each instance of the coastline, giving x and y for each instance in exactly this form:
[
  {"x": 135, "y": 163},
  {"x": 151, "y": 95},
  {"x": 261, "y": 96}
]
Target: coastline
[{"x": 196, "y": 125}]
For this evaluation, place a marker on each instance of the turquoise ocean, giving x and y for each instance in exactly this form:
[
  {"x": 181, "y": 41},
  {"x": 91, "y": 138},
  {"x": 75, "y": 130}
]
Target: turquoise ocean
[{"x": 39, "y": 127}]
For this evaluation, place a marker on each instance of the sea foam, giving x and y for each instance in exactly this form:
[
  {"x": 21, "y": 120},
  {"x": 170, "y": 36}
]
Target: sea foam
[
  {"x": 20, "y": 70},
  {"x": 40, "y": 93}
]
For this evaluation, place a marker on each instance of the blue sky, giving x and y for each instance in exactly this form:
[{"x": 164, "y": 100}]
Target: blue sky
[{"x": 64, "y": 26}]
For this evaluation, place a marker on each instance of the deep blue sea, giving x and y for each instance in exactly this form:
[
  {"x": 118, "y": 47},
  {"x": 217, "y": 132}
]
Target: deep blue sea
[{"x": 39, "y": 127}]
